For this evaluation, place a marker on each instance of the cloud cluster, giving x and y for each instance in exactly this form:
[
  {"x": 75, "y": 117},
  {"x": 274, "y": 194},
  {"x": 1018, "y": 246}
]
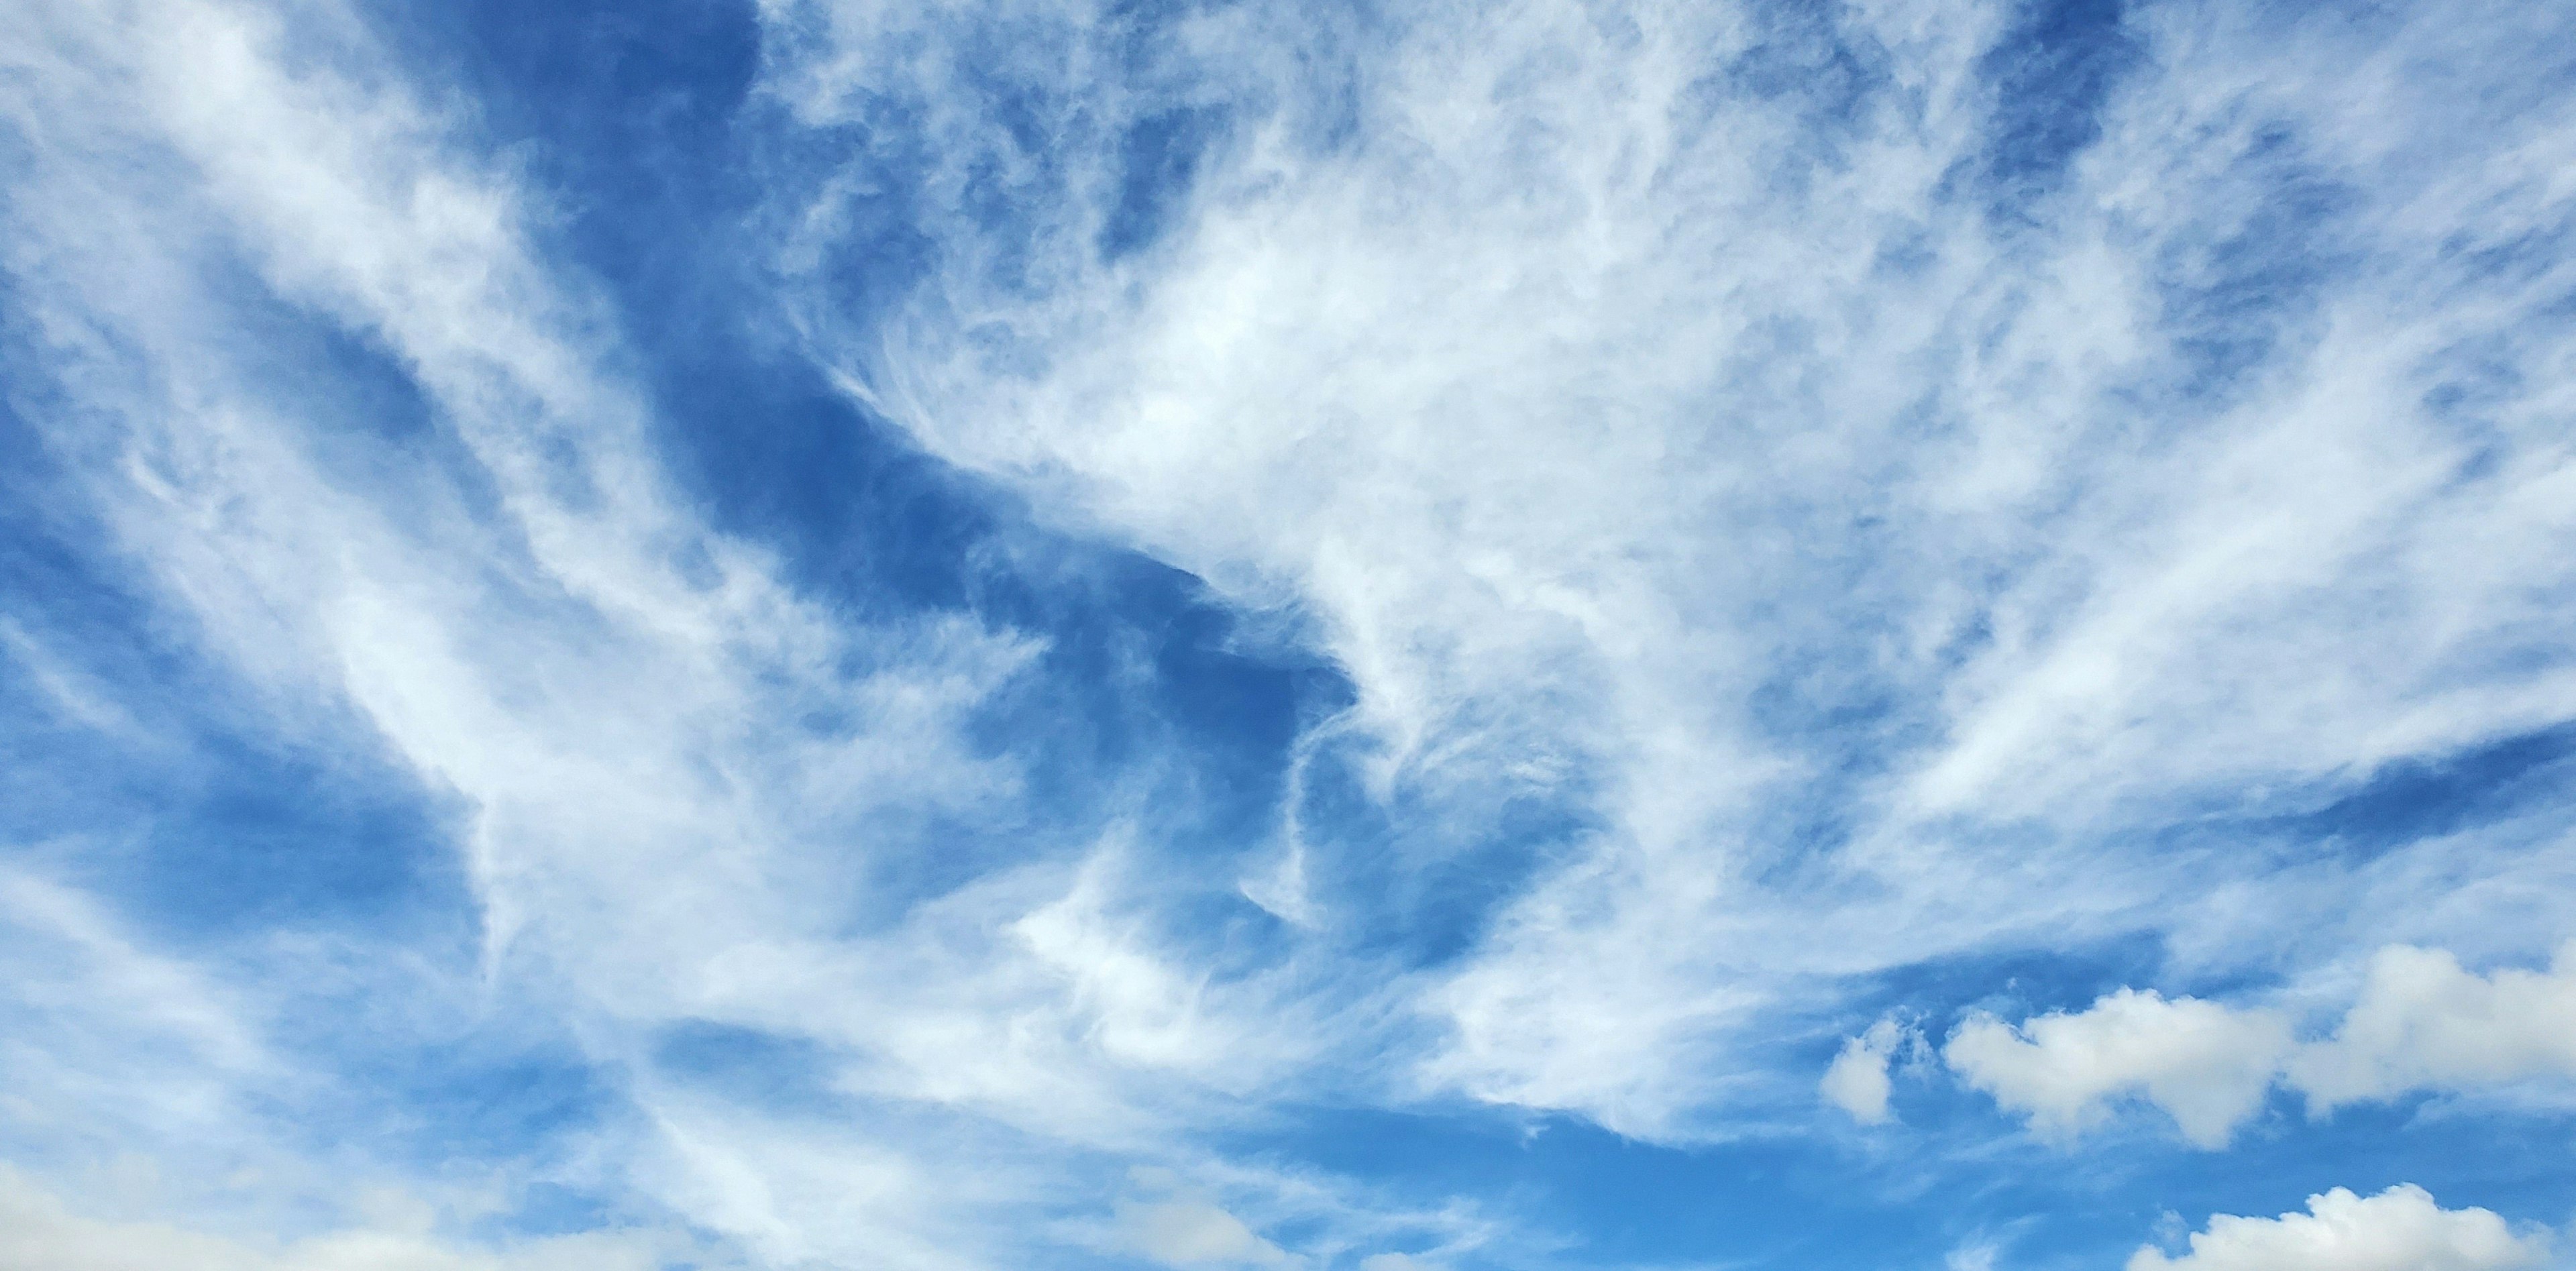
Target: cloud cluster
[
  {"x": 2400, "y": 1229},
  {"x": 2206, "y": 1065},
  {"x": 2422, "y": 1022}
]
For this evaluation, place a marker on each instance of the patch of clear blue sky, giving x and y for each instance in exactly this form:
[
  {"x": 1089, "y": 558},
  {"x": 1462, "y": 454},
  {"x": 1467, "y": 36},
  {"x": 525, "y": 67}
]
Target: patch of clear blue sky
[{"x": 635, "y": 116}]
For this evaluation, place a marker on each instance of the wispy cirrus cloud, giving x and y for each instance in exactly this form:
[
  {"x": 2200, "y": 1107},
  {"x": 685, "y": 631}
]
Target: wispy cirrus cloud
[
  {"x": 44, "y": 1234},
  {"x": 1678, "y": 421},
  {"x": 1754, "y": 519},
  {"x": 675, "y": 768}
]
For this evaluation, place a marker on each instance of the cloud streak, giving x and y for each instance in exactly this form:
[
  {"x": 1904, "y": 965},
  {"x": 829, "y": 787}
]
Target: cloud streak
[
  {"x": 676, "y": 766},
  {"x": 1717, "y": 523},
  {"x": 1677, "y": 441}
]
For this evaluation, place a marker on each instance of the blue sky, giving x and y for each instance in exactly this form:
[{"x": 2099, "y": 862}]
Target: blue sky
[{"x": 1537, "y": 635}]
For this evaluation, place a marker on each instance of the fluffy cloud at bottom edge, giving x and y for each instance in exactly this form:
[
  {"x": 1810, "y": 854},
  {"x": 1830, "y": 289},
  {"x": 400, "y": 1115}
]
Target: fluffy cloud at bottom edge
[{"x": 2400, "y": 1229}]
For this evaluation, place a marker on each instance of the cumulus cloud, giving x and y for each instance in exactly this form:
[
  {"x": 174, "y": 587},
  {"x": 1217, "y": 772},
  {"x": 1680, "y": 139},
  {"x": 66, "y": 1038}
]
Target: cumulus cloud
[
  {"x": 2421, "y": 1023},
  {"x": 1857, "y": 1080},
  {"x": 2400, "y": 1229},
  {"x": 2425, "y": 1023},
  {"x": 2206, "y": 1065}
]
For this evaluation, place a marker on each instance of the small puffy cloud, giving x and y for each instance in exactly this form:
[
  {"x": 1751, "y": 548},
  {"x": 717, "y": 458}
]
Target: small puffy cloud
[
  {"x": 1194, "y": 1233},
  {"x": 2400, "y": 1229},
  {"x": 2206, "y": 1065},
  {"x": 1857, "y": 1080},
  {"x": 2422, "y": 1022}
]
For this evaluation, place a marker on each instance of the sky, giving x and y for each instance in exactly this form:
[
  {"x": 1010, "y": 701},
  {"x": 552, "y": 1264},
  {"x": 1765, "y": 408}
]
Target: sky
[{"x": 1536, "y": 635}]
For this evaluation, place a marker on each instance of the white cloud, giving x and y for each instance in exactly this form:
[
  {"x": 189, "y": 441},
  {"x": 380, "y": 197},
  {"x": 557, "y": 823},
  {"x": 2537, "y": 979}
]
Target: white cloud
[
  {"x": 2421, "y": 1023},
  {"x": 2206, "y": 1065},
  {"x": 1857, "y": 1080},
  {"x": 1612, "y": 430},
  {"x": 112, "y": 1045},
  {"x": 2400, "y": 1229},
  {"x": 521, "y": 607},
  {"x": 1609, "y": 430},
  {"x": 2425, "y": 1023}
]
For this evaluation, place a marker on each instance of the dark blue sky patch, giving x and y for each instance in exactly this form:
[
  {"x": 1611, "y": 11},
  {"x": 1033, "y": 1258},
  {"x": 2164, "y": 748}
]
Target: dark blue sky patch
[
  {"x": 2414, "y": 799},
  {"x": 777, "y": 1074},
  {"x": 374, "y": 419},
  {"x": 2010, "y": 982},
  {"x": 547, "y": 1207},
  {"x": 1419, "y": 898},
  {"x": 2052, "y": 74},
  {"x": 1140, "y": 673},
  {"x": 265, "y": 838},
  {"x": 859, "y": 519},
  {"x": 605, "y": 99},
  {"x": 1158, "y": 157},
  {"x": 626, "y": 123},
  {"x": 461, "y": 1103},
  {"x": 1769, "y": 1202},
  {"x": 885, "y": 245},
  {"x": 1800, "y": 61},
  {"x": 2248, "y": 285}
]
